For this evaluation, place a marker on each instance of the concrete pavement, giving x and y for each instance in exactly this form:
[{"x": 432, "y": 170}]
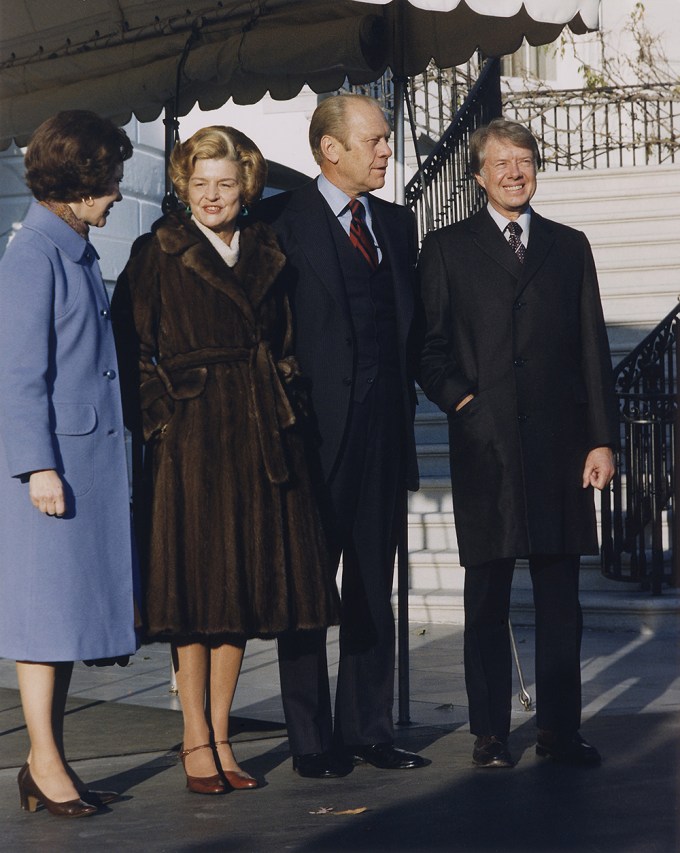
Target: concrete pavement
[{"x": 124, "y": 727}]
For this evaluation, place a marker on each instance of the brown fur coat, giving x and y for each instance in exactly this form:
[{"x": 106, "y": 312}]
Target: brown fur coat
[{"x": 233, "y": 543}]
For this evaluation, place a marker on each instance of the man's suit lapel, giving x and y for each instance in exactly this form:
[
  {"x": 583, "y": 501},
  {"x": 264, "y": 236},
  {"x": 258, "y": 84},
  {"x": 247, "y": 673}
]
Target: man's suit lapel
[
  {"x": 309, "y": 210},
  {"x": 541, "y": 239},
  {"x": 489, "y": 237},
  {"x": 395, "y": 244},
  {"x": 491, "y": 240}
]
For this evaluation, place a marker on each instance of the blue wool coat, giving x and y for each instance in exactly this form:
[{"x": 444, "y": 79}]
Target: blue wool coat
[{"x": 66, "y": 584}]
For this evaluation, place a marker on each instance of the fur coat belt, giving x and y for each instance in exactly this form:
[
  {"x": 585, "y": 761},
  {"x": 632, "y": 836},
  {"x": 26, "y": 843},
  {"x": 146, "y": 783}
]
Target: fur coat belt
[{"x": 183, "y": 377}]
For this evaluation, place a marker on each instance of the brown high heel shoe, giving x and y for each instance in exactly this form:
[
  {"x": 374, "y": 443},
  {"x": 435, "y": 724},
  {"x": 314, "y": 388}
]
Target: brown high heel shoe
[
  {"x": 238, "y": 779},
  {"x": 202, "y": 784},
  {"x": 30, "y": 795}
]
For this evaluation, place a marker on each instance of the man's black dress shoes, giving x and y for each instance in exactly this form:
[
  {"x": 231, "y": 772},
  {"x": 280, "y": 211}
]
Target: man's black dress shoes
[
  {"x": 570, "y": 749},
  {"x": 321, "y": 765},
  {"x": 386, "y": 756},
  {"x": 491, "y": 751}
]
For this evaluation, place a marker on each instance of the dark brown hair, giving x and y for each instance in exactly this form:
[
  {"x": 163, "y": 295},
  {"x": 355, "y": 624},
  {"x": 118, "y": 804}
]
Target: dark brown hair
[
  {"x": 500, "y": 128},
  {"x": 73, "y": 155},
  {"x": 219, "y": 143}
]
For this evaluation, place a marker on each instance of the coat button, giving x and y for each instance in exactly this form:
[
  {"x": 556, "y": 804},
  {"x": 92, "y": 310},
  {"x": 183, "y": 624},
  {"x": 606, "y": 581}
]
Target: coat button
[
  {"x": 521, "y": 418},
  {"x": 346, "y": 381},
  {"x": 370, "y": 380},
  {"x": 518, "y": 305},
  {"x": 520, "y": 362},
  {"x": 109, "y": 374},
  {"x": 348, "y": 341},
  {"x": 104, "y": 312}
]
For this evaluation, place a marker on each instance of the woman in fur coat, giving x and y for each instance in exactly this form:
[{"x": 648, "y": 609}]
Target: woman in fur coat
[{"x": 232, "y": 540}]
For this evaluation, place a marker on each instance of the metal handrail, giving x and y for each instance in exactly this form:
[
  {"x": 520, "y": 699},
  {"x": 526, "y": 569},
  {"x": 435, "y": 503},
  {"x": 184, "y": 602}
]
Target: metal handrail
[
  {"x": 640, "y": 538},
  {"x": 609, "y": 126},
  {"x": 443, "y": 190}
]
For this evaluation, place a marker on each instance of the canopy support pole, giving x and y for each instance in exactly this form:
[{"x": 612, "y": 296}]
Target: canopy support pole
[
  {"x": 399, "y": 175},
  {"x": 171, "y": 123},
  {"x": 404, "y": 718}
]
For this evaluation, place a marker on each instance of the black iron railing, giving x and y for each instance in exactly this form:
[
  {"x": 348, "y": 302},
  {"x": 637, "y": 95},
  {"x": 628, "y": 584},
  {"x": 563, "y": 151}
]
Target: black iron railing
[
  {"x": 601, "y": 128},
  {"x": 443, "y": 191},
  {"x": 435, "y": 96},
  {"x": 640, "y": 537}
]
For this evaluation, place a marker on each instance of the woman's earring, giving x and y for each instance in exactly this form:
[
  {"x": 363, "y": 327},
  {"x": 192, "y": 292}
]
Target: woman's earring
[{"x": 244, "y": 210}]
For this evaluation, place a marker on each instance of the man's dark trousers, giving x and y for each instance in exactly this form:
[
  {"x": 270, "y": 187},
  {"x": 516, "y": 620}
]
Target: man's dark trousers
[{"x": 488, "y": 654}]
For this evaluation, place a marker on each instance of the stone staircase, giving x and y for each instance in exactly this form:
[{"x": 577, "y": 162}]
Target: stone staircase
[{"x": 632, "y": 219}]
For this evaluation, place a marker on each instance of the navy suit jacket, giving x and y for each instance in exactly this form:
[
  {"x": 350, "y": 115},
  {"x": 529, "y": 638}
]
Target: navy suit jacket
[{"x": 324, "y": 333}]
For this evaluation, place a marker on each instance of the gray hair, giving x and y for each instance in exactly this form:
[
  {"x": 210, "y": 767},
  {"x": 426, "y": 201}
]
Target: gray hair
[{"x": 500, "y": 128}]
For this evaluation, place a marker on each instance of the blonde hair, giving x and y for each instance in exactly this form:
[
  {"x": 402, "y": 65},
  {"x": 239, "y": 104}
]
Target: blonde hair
[
  {"x": 219, "y": 143},
  {"x": 329, "y": 119}
]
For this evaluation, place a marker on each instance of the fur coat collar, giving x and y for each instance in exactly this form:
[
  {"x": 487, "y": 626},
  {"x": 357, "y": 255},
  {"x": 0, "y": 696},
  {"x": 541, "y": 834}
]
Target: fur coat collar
[{"x": 260, "y": 262}]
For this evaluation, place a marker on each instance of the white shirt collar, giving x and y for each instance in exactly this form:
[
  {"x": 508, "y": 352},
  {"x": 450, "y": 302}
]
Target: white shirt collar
[
  {"x": 523, "y": 220},
  {"x": 338, "y": 200}
]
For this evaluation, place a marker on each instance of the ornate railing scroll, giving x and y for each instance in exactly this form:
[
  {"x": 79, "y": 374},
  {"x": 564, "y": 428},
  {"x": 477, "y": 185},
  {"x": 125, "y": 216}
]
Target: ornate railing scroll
[{"x": 640, "y": 535}]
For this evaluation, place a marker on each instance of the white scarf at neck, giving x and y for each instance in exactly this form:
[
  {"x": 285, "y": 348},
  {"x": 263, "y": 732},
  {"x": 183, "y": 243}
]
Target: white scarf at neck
[{"x": 228, "y": 253}]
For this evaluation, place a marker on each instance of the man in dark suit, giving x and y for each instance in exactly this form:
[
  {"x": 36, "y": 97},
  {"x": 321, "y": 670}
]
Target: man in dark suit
[
  {"x": 516, "y": 354},
  {"x": 350, "y": 277}
]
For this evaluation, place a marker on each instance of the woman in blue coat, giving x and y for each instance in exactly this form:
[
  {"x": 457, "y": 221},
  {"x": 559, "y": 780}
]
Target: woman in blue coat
[{"x": 66, "y": 555}]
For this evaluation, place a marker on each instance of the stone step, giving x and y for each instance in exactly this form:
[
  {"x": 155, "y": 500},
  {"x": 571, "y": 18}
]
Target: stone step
[
  {"x": 431, "y": 428},
  {"x": 433, "y": 460},
  {"x": 632, "y": 218},
  {"x": 639, "y": 252},
  {"x": 436, "y": 595},
  {"x": 631, "y": 229},
  {"x": 434, "y": 495},
  {"x": 620, "y": 609},
  {"x": 636, "y": 191},
  {"x": 647, "y": 307}
]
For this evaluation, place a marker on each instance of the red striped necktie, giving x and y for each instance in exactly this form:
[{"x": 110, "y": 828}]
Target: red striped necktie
[{"x": 360, "y": 235}]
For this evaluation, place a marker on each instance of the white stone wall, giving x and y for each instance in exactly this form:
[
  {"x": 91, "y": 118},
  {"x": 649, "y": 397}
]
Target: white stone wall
[
  {"x": 14, "y": 195},
  {"x": 142, "y": 188}
]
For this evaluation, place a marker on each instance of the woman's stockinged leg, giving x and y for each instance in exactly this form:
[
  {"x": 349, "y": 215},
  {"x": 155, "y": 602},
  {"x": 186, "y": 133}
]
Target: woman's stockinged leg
[
  {"x": 43, "y": 688},
  {"x": 62, "y": 682},
  {"x": 192, "y": 667},
  {"x": 225, "y": 667}
]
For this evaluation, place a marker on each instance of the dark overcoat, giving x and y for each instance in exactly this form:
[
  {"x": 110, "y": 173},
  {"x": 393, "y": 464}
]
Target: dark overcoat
[
  {"x": 325, "y": 342},
  {"x": 234, "y": 544},
  {"x": 529, "y": 341}
]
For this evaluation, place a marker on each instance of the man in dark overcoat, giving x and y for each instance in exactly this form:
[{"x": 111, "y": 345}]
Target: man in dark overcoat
[
  {"x": 351, "y": 280},
  {"x": 516, "y": 354}
]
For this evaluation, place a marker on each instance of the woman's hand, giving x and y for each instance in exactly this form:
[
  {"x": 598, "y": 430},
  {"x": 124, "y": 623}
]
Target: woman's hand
[{"x": 47, "y": 492}]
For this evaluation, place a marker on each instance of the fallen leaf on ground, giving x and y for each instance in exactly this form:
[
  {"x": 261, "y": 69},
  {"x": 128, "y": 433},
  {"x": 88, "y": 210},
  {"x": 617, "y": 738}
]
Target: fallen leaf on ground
[{"x": 331, "y": 810}]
